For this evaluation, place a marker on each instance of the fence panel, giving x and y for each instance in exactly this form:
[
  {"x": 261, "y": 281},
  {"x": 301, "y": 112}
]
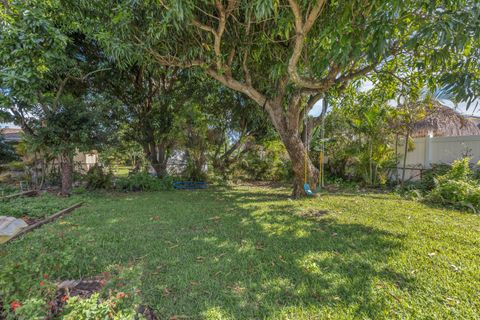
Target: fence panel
[{"x": 433, "y": 150}]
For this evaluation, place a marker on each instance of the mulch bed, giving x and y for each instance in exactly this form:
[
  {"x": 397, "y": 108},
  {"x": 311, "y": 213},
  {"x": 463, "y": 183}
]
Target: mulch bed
[{"x": 86, "y": 288}]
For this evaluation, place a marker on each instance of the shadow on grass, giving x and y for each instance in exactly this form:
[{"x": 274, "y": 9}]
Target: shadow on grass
[
  {"x": 257, "y": 261},
  {"x": 237, "y": 254}
]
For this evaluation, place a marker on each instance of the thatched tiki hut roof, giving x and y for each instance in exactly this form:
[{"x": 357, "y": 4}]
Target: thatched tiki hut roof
[{"x": 444, "y": 121}]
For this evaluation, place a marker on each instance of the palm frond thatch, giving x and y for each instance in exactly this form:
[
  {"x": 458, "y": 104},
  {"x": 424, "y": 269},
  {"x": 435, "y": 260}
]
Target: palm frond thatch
[{"x": 443, "y": 121}]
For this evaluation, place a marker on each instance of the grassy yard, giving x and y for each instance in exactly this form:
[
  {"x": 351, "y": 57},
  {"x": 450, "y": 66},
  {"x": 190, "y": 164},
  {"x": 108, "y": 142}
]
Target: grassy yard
[{"x": 252, "y": 253}]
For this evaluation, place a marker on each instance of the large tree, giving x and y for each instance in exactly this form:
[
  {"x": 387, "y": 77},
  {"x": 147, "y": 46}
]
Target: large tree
[{"x": 285, "y": 55}]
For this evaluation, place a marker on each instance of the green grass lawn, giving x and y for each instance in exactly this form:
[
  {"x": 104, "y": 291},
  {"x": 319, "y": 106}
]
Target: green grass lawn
[{"x": 252, "y": 253}]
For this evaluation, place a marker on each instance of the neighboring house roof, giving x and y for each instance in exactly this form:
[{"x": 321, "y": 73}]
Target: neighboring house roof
[
  {"x": 11, "y": 134},
  {"x": 444, "y": 121},
  {"x": 474, "y": 119}
]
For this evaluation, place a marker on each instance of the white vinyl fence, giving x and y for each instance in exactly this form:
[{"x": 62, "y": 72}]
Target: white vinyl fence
[{"x": 433, "y": 150}]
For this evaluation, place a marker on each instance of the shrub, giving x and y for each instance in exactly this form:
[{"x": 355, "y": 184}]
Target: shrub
[
  {"x": 96, "y": 178},
  {"x": 16, "y": 166},
  {"x": 457, "y": 187},
  {"x": 429, "y": 176},
  {"x": 7, "y": 189},
  {"x": 142, "y": 181}
]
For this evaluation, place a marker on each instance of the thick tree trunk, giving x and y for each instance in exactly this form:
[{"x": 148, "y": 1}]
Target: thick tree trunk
[
  {"x": 160, "y": 168},
  {"x": 66, "y": 167},
  {"x": 285, "y": 121},
  {"x": 157, "y": 155},
  {"x": 296, "y": 151}
]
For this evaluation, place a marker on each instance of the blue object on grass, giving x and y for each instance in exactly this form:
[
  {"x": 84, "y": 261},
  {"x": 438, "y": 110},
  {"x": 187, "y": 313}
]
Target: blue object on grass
[
  {"x": 190, "y": 185},
  {"x": 307, "y": 189}
]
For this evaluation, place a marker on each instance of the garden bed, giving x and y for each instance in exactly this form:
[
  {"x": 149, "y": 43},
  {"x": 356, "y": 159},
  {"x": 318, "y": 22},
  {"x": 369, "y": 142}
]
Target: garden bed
[{"x": 33, "y": 209}]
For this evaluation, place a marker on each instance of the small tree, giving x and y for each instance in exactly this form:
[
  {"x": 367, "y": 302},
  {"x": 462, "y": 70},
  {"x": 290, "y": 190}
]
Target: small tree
[
  {"x": 151, "y": 98},
  {"x": 44, "y": 76}
]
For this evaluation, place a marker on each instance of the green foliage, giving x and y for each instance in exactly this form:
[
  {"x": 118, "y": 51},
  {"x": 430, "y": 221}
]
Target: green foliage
[
  {"x": 457, "y": 187},
  {"x": 429, "y": 176},
  {"x": 6, "y": 189},
  {"x": 7, "y": 152},
  {"x": 142, "y": 181},
  {"x": 94, "y": 307},
  {"x": 16, "y": 166},
  {"x": 33, "y": 308},
  {"x": 26, "y": 286},
  {"x": 267, "y": 161},
  {"x": 36, "y": 207},
  {"x": 32, "y": 46},
  {"x": 360, "y": 142},
  {"x": 97, "y": 178}
]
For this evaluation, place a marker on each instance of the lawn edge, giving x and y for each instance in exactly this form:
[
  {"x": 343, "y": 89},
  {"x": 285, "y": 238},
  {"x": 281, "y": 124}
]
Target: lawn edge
[{"x": 46, "y": 220}]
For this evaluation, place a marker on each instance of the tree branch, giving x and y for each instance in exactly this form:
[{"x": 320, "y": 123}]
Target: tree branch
[
  {"x": 246, "y": 71},
  {"x": 301, "y": 29}
]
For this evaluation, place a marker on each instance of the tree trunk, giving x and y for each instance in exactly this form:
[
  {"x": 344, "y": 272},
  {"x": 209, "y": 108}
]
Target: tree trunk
[
  {"x": 157, "y": 155},
  {"x": 296, "y": 151},
  {"x": 285, "y": 121},
  {"x": 66, "y": 167},
  {"x": 160, "y": 169}
]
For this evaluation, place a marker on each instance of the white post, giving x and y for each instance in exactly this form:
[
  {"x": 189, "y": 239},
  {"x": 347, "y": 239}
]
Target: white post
[{"x": 427, "y": 162}]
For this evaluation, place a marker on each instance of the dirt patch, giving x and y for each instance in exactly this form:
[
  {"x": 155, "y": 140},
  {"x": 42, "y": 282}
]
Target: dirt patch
[
  {"x": 314, "y": 213},
  {"x": 81, "y": 288},
  {"x": 31, "y": 220}
]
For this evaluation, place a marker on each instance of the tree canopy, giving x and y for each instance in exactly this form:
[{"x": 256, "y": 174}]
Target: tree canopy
[{"x": 285, "y": 56}]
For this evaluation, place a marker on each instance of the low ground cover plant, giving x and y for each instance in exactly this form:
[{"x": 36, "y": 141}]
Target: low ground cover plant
[
  {"x": 6, "y": 189},
  {"x": 36, "y": 207}
]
